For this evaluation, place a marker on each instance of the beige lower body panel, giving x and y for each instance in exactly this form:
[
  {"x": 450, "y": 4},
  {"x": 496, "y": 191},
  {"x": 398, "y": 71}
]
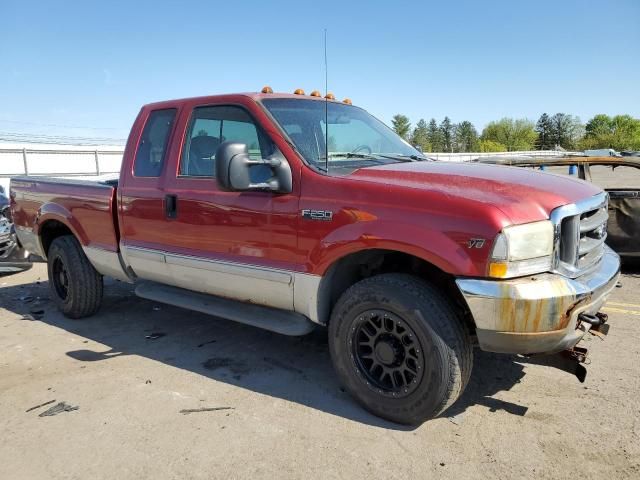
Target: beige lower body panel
[
  {"x": 107, "y": 263},
  {"x": 277, "y": 288}
]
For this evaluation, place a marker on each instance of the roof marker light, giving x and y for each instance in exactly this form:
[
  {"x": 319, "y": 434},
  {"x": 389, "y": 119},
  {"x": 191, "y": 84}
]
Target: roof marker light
[
  {"x": 315, "y": 93},
  {"x": 347, "y": 101},
  {"x": 330, "y": 96},
  {"x": 298, "y": 91},
  {"x": 267, "y": 89}
]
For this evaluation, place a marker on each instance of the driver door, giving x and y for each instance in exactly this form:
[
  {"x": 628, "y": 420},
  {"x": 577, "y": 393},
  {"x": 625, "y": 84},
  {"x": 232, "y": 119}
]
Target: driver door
[{"x": 221, "y": 242}]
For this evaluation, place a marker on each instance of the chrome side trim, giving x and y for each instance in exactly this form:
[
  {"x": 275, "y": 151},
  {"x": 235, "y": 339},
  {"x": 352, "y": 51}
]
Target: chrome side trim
[
  {"x": 261, "y": 273},
  {"x": 145, "y": 254},
  {"x": 248, "y": 283},
  {"x": 146, "y": 263},
  {"x": 107, "y": 263}
]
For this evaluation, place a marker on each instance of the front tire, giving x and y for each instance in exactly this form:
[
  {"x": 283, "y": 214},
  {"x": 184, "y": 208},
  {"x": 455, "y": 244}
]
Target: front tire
[
  {"x": 400, "y": 347},
  {"x": 76, "y": 287}
]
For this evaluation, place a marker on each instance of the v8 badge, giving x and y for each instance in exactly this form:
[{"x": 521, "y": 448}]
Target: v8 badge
[{"x": 475, "y": 243}]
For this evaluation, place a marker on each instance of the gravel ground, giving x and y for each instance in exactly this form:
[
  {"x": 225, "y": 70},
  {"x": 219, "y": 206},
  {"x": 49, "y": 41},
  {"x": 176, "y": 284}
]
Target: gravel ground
[{"x": 152, "y": 391}]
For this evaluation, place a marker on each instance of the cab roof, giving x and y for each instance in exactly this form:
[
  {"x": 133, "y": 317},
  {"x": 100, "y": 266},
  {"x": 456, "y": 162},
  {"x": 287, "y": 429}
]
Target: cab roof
[{"x": 255, "y": 96}]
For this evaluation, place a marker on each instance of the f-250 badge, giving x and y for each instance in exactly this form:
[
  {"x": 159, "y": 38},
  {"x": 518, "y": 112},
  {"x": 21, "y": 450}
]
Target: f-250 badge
[{"x": 317, "y": 215}]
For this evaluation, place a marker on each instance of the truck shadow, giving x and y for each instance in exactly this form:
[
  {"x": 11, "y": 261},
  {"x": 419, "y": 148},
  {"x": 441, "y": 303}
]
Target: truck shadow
[{"x": 297, "y": 369}]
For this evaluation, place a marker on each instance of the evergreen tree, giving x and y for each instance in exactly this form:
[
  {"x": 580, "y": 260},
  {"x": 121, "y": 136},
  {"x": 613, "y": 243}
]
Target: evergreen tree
[
  {"x": 447, "y": 129},
  {"x": 435, "y": 136},
  {"x": 466, "y": 137},
  {"x": 565, "y": 130},
  {"x": 401, "y": 125},
  {"x": 420, "y": 136},
  {"x": 543, "y": 128}
]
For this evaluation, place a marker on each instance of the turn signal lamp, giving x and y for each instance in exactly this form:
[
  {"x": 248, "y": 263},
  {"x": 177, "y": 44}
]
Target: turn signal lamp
[
  {"x": 316, "y": 93},
  {"x": 498, "y": 269},
  {"x": 298, "y": 91},
  {"x": 267, "y": 89},
  {"x": 347, "y": 101},
  {"x": 330, "y": 96}
]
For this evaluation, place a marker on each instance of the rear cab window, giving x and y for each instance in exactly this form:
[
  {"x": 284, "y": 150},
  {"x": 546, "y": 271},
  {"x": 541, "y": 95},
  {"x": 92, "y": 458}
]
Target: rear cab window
[{"x": 152, "y": 148}]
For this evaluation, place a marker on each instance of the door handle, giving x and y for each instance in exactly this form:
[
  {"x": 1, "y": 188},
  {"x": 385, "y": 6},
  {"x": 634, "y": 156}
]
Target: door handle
[{"x": 171, "y": 206}]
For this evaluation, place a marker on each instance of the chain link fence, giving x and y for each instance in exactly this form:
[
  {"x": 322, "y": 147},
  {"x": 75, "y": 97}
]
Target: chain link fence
[
  {"x": 68, "y": 162},
  {"x": 84, "y": 162}
]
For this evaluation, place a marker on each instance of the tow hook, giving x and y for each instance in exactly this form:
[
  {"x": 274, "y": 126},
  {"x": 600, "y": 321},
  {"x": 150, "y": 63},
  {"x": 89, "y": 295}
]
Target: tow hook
[
  {"x": 575, "y": 357},
  {"x": 598, "y": 322}
]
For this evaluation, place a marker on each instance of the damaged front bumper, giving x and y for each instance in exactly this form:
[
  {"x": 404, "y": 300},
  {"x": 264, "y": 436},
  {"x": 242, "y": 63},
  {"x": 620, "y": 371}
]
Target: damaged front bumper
[
  {"x": 13, "y": 258},
  {"x": 540, "y": 313}
]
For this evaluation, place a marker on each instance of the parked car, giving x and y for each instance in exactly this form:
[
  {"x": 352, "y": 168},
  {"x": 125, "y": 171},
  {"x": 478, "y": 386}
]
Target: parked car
[
  {"x": 13, "y": 258},
  {"x": 290, "y": 211},
  {"x": 620, "y": 178}
]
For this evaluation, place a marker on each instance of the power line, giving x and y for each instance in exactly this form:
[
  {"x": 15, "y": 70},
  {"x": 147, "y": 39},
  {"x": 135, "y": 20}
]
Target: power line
[
  {"x": 42, "y": 138},
  {"x": 60, "y": 126}
]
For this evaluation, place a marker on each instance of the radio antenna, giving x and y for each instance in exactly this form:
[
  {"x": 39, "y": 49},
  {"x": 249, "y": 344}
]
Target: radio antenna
[{"x": 326, "y": 106}]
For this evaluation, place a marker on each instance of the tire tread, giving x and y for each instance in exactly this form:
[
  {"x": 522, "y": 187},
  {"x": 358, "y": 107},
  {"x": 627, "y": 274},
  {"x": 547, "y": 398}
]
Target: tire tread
[
  {"x": 454, "y": 343},
  {"x": 85, "y": 283}
]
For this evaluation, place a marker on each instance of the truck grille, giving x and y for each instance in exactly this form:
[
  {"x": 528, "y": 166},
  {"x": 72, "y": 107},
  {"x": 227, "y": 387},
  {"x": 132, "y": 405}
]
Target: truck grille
[
  {"x": 581, "y": 230},
  {"x": 6, "y": 238}
]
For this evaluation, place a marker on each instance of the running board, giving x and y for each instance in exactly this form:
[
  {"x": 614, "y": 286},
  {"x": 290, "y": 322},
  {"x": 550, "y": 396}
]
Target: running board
[{"x": 276, "y": 320}]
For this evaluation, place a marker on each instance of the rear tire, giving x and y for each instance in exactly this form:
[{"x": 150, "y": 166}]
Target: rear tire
[
  {"x": 400, "y": 347},
  {"x": 76, "y": 287}
]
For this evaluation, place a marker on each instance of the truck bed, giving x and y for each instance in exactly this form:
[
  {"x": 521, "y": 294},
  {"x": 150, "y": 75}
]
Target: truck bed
[{"x": 88, "y": 208}]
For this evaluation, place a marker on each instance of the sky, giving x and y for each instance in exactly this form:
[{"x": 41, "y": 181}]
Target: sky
[{"x": 83, "y": 69}]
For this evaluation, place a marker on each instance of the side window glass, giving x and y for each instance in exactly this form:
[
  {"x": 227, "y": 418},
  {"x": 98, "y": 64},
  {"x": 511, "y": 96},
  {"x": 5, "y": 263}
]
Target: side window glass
[
  {"x": 211, "y": 126},
  {"x": 153, "y": 143}
]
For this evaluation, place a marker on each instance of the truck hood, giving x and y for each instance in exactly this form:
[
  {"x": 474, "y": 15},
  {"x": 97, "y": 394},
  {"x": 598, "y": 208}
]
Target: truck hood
[{"x": 522, "y": 195}]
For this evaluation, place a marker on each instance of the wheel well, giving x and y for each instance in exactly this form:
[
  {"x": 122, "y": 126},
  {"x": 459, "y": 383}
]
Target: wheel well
[
  {"x": 367, "y": 263},
  {"x": 51, "y": 230}
]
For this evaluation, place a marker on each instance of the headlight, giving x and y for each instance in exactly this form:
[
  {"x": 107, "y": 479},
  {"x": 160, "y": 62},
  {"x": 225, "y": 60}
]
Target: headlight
[{"x": 522, "y": 250}]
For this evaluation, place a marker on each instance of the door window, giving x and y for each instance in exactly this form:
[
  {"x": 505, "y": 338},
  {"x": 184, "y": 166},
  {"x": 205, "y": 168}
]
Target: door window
[{"x": 211, "y": 126}]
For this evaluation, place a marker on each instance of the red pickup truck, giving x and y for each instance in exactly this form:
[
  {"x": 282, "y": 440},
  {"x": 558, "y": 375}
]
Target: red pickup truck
[{"x": 291, "y": 211}]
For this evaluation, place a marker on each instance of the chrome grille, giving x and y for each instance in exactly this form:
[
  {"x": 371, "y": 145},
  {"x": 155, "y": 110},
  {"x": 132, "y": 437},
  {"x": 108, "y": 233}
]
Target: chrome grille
[
  {"x": 6, "y": 238},
  {"x": 581, "y": 230}
]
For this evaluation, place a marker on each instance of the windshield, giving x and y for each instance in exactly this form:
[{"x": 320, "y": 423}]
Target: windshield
[{"x": 356, "y": 139}]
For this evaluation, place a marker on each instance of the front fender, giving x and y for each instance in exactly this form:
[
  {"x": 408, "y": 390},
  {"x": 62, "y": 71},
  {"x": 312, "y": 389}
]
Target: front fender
[{"x": 448, "y": 252}]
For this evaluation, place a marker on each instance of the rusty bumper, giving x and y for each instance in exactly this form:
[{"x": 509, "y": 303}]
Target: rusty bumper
[{"x": 538, "y": 314}]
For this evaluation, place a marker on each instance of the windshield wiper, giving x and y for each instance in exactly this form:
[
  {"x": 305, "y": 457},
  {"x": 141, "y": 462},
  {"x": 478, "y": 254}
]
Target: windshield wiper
[
  {"x": 354, "y": 155},
  {"x": 402, "y": 158}
]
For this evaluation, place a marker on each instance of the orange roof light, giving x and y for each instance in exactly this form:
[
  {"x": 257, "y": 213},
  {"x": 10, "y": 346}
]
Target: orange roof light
[
  {"x": 316, "y": 93},
  {"x": 347, "y": 101},
  {"x": 267, "y": 89},
  {"x": 330, "y": 96},
  {"x": 298, "y": 91}
]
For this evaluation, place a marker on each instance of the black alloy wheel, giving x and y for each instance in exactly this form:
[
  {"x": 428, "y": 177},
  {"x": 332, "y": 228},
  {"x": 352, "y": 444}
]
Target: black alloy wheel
[{"x": 387, "y": 353}]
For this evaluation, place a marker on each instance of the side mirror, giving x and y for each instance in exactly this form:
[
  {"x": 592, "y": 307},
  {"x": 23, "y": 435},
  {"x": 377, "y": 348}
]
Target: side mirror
[{"x": 233, "y": 170}]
